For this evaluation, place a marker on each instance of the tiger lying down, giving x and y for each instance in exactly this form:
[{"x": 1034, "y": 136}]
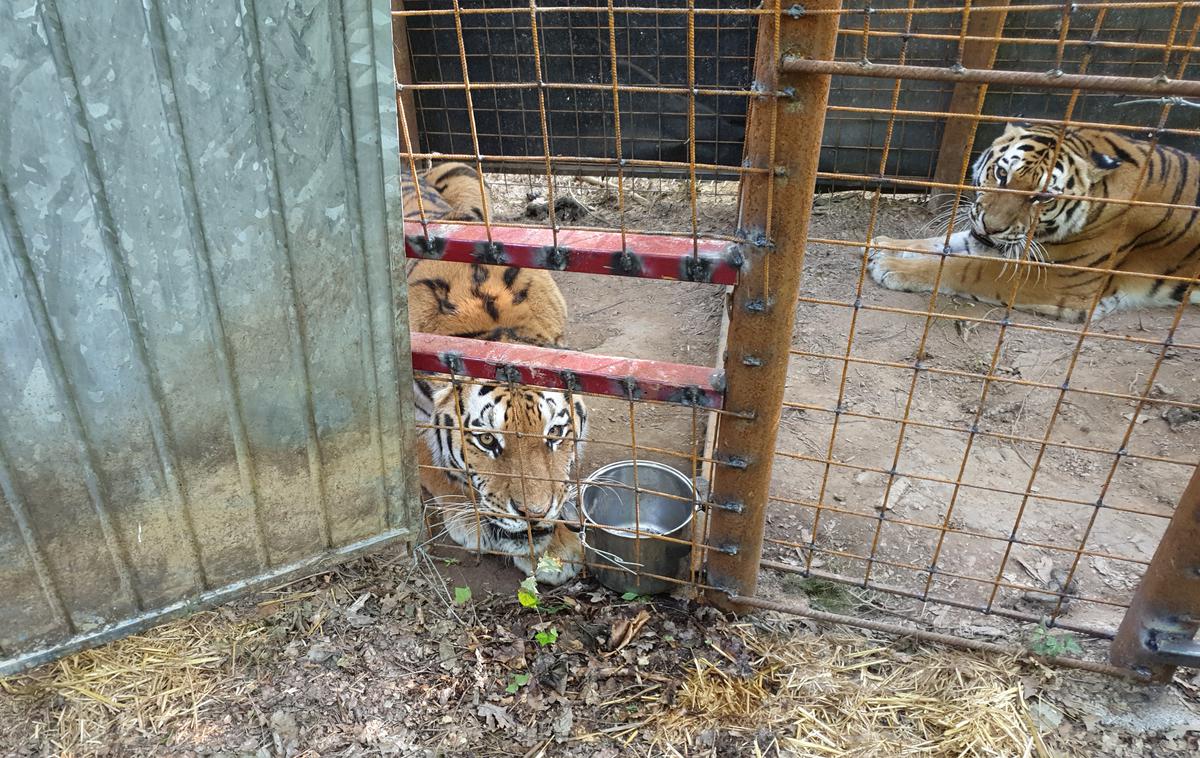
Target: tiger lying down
[
  {"x": 1146, "y": 239},
  {"x": 497, "y": 478}
]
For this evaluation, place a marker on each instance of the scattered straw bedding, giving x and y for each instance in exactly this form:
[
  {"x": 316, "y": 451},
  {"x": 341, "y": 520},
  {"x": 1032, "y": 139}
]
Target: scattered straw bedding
[{"x": 376, "y": 659}]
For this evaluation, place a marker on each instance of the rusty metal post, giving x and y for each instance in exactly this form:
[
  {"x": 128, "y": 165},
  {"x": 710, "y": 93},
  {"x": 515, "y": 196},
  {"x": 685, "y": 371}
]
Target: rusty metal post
[
  {"x": 405, "y": 99},
  {"x": 783, "y": 135},
  {"x": 1159, "y": 629},
  {"x": 968, "y": 96}
]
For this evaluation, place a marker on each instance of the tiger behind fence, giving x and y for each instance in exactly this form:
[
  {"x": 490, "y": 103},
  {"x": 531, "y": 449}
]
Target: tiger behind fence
[
  {"x": 499, "y": 475},
  {"x": 1101, "y": 242}
]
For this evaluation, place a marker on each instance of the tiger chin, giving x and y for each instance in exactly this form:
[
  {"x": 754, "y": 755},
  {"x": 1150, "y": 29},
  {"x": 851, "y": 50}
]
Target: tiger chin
[
  {"x": 1056, "y": 222},
  {"x": 501, "y": 479}
]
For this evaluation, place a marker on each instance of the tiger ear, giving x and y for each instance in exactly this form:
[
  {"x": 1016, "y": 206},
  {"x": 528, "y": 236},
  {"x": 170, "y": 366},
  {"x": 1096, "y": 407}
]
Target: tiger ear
[{"x": 1013, "y": 128}]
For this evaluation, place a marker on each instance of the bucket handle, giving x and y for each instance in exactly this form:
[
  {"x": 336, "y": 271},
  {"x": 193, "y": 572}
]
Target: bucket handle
[{"x": 615, "y": 560}]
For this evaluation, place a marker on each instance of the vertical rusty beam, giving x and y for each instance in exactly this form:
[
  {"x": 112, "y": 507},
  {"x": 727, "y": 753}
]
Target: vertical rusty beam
[
  {"x": 968, "y": 97},
  {"x": 406, "y": 102},
  {"x": 1158, "y": 631},
  {"x": 783, "y": 135}
]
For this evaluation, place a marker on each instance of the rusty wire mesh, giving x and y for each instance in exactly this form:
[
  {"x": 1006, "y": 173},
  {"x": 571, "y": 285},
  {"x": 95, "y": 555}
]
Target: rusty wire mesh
[{"x": 946, "y": 461}]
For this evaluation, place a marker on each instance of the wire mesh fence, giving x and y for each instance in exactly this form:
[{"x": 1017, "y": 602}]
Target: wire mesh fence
[{"x": 1009, "y": 450}]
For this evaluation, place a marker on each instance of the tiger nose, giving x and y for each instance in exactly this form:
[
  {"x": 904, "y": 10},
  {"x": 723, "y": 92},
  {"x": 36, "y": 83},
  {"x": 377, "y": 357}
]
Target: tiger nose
[{"x": 532, "y": 510}]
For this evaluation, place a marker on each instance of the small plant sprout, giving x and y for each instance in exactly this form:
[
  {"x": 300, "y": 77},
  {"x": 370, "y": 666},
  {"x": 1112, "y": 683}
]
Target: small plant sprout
[
  {"x": 527, "y": 593},
  {"x": 547, "y": 637},
  {"x": 517, "y": 682},
  {"x": 634, "y": 597},
  {"x": 1043, "y": 642},
  {"x": 462, "y": 595}
]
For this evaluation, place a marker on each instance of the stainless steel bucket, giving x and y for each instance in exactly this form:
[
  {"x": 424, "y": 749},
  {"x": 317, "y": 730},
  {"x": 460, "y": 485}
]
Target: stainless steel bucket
[{"x": 616, "y": 540}]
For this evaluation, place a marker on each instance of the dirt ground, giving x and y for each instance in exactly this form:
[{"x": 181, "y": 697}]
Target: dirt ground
[
  {"x": 390, "y": 656},
  {"x": 380, "y": 657},
  {"x": 1101, "y": 550}
]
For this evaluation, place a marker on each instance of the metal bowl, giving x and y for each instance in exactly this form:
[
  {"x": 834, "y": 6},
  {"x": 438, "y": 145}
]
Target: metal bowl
[{"x": 622, "y": 521}]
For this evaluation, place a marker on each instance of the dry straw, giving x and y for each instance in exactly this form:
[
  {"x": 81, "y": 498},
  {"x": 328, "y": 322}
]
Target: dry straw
[
  {"x": 845, "y": 694},
  {"x": 144, "y": 684}
]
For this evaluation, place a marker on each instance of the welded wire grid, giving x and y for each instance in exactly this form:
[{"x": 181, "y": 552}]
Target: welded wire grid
[
  {"x": 970, "y": 458},
  {"x": 976, "y": 458},
  {"x": 494, "y": 85},
  {"x": 650, "y": 40},
  {"x": 686, "y": 456}
]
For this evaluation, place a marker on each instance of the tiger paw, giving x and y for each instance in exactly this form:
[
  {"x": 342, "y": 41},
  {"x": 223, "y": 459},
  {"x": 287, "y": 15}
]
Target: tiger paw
[
  {"x": 561, "y": 561},
  {"x": 898, "y": 270}
]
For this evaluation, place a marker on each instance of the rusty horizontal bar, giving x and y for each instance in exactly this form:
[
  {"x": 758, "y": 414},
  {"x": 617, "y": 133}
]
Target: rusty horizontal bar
[
  {"x": 994, "y": 119},
  {"x": 949, "y": 10},
  {"x": 582, "y": 160},
  {"x": 1012, "y": 614},
  {"x": 952, "y": 316},
  {"x": 995, "y": 584},
  {"x": 646, "y": 256},
  {"x": 661, "y": 89},
  {"x": 974, "y": 429},
  {"x": 951, "y": 640},
  {"x": 568, "y": 370},
  {"x": 1008, "y": 40},
  {"x": 876, "y": 514},
  {"x": 1046, "y": 80}
]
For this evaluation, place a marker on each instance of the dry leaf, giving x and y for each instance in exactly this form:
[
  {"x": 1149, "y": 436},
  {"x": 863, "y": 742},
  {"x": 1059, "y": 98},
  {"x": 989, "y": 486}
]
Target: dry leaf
[{"x": 625, "y": 631}]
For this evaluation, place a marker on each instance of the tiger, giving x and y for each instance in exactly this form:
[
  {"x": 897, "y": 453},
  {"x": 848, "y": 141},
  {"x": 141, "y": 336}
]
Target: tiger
[
  {"x": 500, "y": 479},
  {"x": 1061, "y": 171}
]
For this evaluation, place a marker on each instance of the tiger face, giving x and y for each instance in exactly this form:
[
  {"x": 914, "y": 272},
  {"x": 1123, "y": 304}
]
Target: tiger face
[
  {"x": 1026, "y": 160},
  {"x": 506, "y": 472}
]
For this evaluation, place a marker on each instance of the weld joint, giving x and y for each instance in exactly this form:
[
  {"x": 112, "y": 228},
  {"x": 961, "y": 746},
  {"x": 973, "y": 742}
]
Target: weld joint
[
  {"x": 508, "y": 374},
  {"x": 626, "y": 263},
  {"x": 454, "y": 362},
  {"x": 554, "y": 258},
  {"x": 570, "y": 380},
  {"x": 491, "y": 253},
  {"x": 633, "y": 390},
  {"x": 425, "y": 246},
  {"x": 732, "y": 506}
]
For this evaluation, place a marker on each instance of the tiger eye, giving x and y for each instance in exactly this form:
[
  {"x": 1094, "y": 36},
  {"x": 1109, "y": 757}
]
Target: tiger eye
[{"x": 486, "y": 439}]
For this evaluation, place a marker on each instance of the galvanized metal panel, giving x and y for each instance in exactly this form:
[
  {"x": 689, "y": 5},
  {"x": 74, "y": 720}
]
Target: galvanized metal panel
[{"x": 200, "y": 387}]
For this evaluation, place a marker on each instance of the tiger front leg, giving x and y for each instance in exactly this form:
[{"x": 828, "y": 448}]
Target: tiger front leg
[
  {"x": 567, "y": 553},
  {"x": 1039, "y": 289}
]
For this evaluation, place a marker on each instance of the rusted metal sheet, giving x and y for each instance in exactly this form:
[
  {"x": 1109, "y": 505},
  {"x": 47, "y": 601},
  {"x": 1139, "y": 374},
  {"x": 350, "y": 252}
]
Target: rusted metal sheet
[
  {"x": 648, "y": 256},
  {"x": 199, "y": 391},
  {"x": 1159, "y": 630},
  {"x": 565, "y": 369},
  {"x": 784, "y": 136}
]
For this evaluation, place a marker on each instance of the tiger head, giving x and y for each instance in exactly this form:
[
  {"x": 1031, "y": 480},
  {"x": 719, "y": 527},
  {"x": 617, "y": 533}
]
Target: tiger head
[
  {"x": 1034, "y": 161},
  {"x": 512, "y": 457}
]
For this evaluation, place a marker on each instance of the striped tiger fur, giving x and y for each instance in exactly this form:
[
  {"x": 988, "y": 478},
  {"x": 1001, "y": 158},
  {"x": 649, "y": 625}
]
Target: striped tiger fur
[
  {"x": 1102, "y": 242},
  {"x": 501, "y": 474}
]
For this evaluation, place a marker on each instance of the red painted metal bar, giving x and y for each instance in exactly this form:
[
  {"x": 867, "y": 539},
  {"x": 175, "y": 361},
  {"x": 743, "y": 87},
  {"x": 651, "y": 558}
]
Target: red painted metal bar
[
  {"x": 648, "y": 256},
  {"x": 565, "y": 369}
]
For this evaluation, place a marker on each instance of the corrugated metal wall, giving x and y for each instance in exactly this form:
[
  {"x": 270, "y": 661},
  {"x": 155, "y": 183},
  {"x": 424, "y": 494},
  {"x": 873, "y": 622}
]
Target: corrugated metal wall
[{"x": 199, "y": 383}]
